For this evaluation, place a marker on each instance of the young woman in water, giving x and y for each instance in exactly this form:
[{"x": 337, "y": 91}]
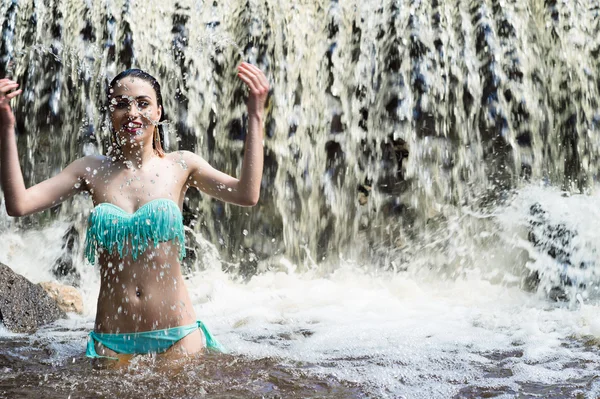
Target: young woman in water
[{"x": 136, "y": 229}]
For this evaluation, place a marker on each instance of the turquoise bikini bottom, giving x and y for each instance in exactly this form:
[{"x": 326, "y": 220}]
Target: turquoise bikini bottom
[{"x": 156, "y": 341}]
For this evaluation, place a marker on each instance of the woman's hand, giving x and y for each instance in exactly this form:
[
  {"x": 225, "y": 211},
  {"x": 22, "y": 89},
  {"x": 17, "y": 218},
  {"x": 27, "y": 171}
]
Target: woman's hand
[
  {"x": 20, "y": 200},
  {"x": 244, "y": 191},
  {"x": 257, "y": 84},
  {"x": 7, "y": 118}
]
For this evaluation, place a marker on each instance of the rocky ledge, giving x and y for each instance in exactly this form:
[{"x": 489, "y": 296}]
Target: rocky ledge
[{"x": 25, "y": 306}]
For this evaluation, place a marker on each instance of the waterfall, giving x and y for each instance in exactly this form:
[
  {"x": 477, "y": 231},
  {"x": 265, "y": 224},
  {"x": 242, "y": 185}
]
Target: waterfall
[
  {"x": 427, "y": 226},
  {"x": 383, "y": 116}
]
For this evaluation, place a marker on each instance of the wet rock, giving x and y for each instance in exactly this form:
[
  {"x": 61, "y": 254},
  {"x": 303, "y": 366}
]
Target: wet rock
[
  {"x": 554, "y": 239},
  {"x": 559, "y": 242},
  {"x": 362, "y": 198},
  {"x": 68, "y": 298},
  {"x": 64, "y": 267},
  {"x": 24, "y": 306},
  {"x": 200, "y": 253},
  {"x": 363, "y": 194}
]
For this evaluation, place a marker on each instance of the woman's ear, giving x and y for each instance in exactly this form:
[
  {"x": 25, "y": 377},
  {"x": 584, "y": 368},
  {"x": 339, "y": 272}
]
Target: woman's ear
[{"x": 160, "y": 111}]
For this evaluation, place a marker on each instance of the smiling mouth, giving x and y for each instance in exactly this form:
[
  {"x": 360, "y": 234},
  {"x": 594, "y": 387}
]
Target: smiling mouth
[{"x": 132, "y": 127}]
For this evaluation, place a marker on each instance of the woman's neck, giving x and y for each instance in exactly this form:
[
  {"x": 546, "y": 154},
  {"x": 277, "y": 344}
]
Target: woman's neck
[{"x": 136, "y": 157}]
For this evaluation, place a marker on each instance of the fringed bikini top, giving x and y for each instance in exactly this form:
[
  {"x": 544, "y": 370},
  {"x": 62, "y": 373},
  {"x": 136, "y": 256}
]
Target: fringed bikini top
[{"x": 110, "y": 227}]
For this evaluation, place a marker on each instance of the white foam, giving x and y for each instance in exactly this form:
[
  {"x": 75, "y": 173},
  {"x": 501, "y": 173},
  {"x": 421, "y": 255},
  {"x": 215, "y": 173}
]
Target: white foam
[
  {"x": 394, "y": 332},
  {"x": 419, "y": 333}
]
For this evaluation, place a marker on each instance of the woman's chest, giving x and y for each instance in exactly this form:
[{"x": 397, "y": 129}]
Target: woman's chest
[{"x": 132, "y": 188}]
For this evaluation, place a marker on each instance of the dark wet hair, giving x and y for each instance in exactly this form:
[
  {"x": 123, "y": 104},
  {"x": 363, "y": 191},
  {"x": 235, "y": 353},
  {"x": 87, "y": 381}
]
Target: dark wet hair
[{"x": 138, "y": 73}]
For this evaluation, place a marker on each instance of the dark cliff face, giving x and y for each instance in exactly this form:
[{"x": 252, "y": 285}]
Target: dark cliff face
[
  {"x": 379, "y": 114},
  {"x": 24, "y": 306}
]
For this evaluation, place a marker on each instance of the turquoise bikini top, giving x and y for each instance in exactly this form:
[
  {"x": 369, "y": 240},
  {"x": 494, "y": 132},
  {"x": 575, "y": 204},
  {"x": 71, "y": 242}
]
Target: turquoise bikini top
[{"x": 110, "y": 227}]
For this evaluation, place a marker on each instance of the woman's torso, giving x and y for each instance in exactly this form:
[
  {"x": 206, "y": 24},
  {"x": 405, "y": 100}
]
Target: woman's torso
[{"x": 148, "y": 292}]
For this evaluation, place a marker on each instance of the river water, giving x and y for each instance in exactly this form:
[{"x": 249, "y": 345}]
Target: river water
[
  {"x": 428, "y": 218},
  {"x": 355, "y": 331}
]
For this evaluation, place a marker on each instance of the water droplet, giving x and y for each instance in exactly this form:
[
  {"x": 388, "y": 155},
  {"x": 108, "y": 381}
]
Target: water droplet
[
  {"x": 88, "y": 169},
  {"x": 120, "y": 310},
  {"x": 77, "y": 185},
  {"x": 183, "y": 164},
  {"x": 245, "y": 232},
  {"x": 121, "y": 266}
]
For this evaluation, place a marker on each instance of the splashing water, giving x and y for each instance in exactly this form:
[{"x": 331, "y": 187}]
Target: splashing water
[{"x": 402, "y": 245}]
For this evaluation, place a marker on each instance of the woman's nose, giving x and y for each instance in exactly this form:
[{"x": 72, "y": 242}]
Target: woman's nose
[{"x": 132, "y": 110}]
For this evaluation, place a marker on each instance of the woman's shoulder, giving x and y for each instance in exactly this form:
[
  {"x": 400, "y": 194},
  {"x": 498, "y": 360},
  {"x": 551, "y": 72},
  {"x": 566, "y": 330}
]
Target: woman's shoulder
[
  {"x": 94, "y": 160},
  {"x": 89, "y": 161},
  {"x": 98, "y": 158},
  {"x": 180, "y": 156}
]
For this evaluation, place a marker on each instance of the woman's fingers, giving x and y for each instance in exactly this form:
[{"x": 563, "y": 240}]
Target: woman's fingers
[
  {"x": 258, "y": 85},
  {"x": 248, "y": 77},
  {"x": 8, "y": 91},
  {"x": 13, "y": 94},
  {"x": 7, "y": 86},
  {"x": 255, "y": 70},
  {"x": 4, "y": 90},
  {"x": 6, "y": 81},
  {"x": 248, "y": 80},
  {"x": 254, "y": 78},
  {"x": 260, "y": 76}
]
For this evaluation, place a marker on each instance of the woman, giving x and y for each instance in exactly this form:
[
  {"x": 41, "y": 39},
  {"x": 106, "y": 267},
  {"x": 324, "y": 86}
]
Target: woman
[{"x": 135, "y": 230}]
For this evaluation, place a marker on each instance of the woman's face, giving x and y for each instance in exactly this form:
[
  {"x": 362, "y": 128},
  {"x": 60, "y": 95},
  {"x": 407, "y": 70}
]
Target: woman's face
[{"x": 134, "y": 111}]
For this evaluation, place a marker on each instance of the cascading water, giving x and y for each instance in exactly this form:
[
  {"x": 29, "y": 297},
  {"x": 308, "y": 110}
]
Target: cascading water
[{"x": 400, "y": 229}]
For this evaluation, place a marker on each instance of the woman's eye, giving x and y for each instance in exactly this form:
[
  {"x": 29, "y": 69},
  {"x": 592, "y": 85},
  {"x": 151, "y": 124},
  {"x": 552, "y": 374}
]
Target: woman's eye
[
  {"x": 142, "y": 104},
  {"x": 122, "y": 104}
]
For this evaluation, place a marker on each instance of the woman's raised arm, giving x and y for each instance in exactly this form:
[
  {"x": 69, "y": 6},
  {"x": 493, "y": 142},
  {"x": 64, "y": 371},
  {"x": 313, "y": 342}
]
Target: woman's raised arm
[
  {"x": 21, "y": 201},
  {"x": 245, "y": 190}
]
